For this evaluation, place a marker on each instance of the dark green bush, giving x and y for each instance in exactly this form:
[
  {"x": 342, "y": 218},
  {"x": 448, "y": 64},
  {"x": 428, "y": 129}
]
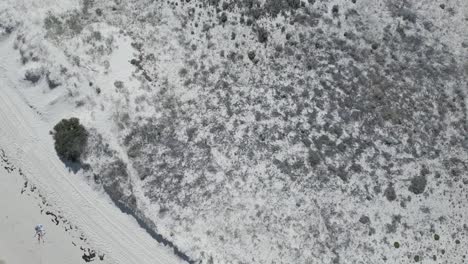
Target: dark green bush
[
  {"x": 262, "y": 35},
  {"x": 223, "y": 18},
  {"x": 70, "y": 139}
]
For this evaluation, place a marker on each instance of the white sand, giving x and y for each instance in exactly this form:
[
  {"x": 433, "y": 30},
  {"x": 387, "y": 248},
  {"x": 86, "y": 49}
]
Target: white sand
[{"x": 19, "y": 213}]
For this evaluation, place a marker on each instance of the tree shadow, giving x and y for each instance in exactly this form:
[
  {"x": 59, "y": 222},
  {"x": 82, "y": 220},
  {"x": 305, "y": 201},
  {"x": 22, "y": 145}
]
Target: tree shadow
[{"x": 75, "y": 166}]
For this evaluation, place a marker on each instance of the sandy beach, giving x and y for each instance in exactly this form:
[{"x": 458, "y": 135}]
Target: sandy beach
[{"x": 19, "y": 214}]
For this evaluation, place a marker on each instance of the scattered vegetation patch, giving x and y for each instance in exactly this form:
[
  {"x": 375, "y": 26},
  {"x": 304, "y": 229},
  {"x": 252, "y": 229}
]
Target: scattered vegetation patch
[
  {"x": 68, "y": 25},
  {"x": 256, "y": 121},
  {"x": 275, "y": 7},
  {"x": 53, "y": 25}
]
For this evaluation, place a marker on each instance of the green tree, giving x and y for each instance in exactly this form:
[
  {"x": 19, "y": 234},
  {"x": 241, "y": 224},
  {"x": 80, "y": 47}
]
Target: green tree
[{"x": 70, "y": 139}]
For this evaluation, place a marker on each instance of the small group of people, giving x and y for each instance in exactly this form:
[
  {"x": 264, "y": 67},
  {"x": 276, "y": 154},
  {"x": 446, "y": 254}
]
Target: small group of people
[{"x": 40, "y": 232}]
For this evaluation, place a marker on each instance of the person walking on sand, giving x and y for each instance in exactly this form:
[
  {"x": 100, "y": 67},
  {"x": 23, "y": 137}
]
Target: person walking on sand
[{"x": 40, "y": 232}]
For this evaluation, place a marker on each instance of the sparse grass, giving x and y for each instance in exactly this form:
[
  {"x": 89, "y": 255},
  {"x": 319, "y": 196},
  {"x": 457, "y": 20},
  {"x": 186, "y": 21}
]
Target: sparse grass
[
  {"x": 68, "y": 25},
  {"x": 54, "y": 25}
]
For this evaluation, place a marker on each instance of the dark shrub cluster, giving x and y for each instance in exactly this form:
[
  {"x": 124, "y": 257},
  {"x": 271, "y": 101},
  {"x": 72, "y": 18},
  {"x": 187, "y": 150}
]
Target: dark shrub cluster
[
  {"x": 418, "y": 184},
  {"x": 32, "y": 76},
  {"x": 70, "y": 139},
  {"x": 262, "y": 35}
]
